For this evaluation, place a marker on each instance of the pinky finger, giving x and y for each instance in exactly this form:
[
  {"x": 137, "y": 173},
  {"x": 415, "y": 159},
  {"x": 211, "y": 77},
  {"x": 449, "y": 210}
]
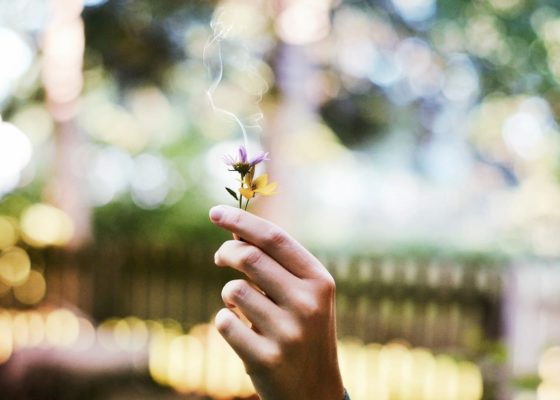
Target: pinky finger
[{"x": 247, "y": 343}]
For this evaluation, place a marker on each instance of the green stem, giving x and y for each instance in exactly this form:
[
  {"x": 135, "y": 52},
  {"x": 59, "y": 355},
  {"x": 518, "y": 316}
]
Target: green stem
[
  {"x": 240, "y": 195},
  {"x": 246, "y": 204}
]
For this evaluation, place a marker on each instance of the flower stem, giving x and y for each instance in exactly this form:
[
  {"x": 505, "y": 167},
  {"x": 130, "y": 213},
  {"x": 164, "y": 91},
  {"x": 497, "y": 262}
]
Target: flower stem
[{"x": 246, "y": 204}]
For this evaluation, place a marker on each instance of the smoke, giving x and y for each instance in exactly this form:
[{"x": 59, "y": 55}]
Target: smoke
[{"x": 213, "y": 59}]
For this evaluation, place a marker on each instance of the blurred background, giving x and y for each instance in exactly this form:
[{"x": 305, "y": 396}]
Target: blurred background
[{"x": 417, "y": 151}]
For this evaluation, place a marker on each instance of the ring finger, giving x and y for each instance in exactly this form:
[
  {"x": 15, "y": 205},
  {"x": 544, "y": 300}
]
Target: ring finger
[{"x": 253, "y": 304}]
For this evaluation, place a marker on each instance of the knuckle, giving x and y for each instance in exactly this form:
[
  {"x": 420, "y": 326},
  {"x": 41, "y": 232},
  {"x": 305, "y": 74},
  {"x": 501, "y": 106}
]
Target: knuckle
[
  {"x": 326, "y": 285},
  {"x": 235, "y": 217},
  {"x": 251, "y": 256},
  {"x": 272, "y": 358},
  {"x": 275, "y": 237},
  {"x": 292, "y": 336},
  {"x": 311, "y": 310},
  {"x": 235, "y": 291},
  {"x": 309, "y": 307}
]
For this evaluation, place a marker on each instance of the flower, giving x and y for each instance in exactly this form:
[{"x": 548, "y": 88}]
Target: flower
[
  {"x": 246, "y": 168},
  {"x": 257, "y": 186},
  {"x": 242, "y": 163}
]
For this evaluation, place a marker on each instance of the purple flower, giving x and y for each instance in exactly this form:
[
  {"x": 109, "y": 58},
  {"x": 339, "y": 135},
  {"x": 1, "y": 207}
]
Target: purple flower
[
  {"x": 242, "y": 160},
  {"x": 258, "y": 159}
]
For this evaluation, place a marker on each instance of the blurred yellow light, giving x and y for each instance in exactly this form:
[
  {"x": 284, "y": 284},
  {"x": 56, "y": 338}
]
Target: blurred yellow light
[
  {"x": 33, "y": 290},
  {"x": 447, "y": 378},
  {"x": 349, "y": 352},
  {"x": 62, "y": 327},
  {"x": 43, "y": 225},
  {"x": 20, "y": 329},
  {"x": 423, "y": 366},
  {"x": 549, "y": 365},
  {"x": 106, "y": 335},
  {"x": 470, "y": 381},
  {"x": 214, "y": 380},
  {"x": 14, "y": 266},
  {"x": 86, "y": 335},
  {"x": 186, "y": 363},
  {"x": 159, "y": 356},
  {"x": 139, "y": 333},
  {"x": 202, "y": 362},
  {"x": 6, "y": 337},
  {"x": 236, "y": 380},
  {"x": 8, "y": 232},
  {"x": 36, "y": 324},
  {"x": 393, "y": 357},
  {"x": 130, "y": 333},
  {"x": 121, "y": 333}
]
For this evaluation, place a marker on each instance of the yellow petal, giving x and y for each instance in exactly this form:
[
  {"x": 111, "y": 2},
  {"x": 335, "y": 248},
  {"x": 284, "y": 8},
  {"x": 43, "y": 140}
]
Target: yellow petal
[
  {"x": 267, "y": 190},
  {"x": 247, "y": 193},
  {"x": 261, "y": 181}
]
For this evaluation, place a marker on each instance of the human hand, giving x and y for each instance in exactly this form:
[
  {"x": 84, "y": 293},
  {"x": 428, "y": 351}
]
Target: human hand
[{"x": 289, "y": 351}]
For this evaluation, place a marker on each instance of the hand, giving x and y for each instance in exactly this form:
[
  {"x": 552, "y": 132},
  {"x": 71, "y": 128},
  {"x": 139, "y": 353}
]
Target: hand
[{"x": 289, "y": 351}]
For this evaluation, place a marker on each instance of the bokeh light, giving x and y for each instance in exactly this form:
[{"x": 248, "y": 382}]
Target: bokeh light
[
  {"x": 303, "y": 22},
  {"x": 15, "y": 266},
  {"x": 18, "y": 59},
  {"x": 9, "y": 234},
  {"x": 200, "y": 361},
  {"x": 15, "y": 154},
  {"x": 62, "y": 328},
  {"x": 44, "y": 225},
  {"x": 6, "y": 337},
  {"x": 33, "y": 290}
]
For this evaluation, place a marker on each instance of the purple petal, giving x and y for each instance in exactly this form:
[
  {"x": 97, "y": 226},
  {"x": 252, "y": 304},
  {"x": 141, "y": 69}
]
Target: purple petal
[
  {"x": 228, "y": 160},
  {"x": 242, "y": 155},
  {"x": 259, "y": 158}
]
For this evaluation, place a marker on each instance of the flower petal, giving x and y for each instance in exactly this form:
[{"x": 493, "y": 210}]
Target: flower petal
[
  {"x": 247, "y": 193},
  {"x": 228, "y": 160},
  {"x": 261, "y": 181},
  {"x": 259, "y": 158},
  {"x": 242, "y": 154},
  {"x": 267, "y": 190}
]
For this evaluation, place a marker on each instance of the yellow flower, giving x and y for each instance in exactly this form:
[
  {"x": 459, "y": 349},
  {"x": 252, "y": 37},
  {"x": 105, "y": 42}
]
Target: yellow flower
[{"x": 257, "y": 186}]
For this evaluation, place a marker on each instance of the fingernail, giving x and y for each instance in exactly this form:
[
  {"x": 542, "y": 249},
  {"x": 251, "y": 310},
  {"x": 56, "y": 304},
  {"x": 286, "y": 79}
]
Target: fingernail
[{"x": 216, "y": 213}]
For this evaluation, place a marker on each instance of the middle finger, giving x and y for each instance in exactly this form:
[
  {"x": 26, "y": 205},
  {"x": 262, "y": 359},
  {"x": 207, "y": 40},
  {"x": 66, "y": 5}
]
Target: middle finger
[{"x": 259, "y": 267}]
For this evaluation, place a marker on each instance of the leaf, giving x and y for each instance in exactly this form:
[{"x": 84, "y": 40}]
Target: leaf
[{"x": 233, "y": 194}]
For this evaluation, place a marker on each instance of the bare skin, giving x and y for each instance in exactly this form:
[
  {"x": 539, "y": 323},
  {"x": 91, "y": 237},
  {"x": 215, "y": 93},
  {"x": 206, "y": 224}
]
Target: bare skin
[{"x": 289, "y": 350}]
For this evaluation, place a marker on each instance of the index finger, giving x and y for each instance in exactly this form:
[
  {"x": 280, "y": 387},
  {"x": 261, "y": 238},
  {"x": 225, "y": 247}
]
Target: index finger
[{"x": 270, "y": 238}]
